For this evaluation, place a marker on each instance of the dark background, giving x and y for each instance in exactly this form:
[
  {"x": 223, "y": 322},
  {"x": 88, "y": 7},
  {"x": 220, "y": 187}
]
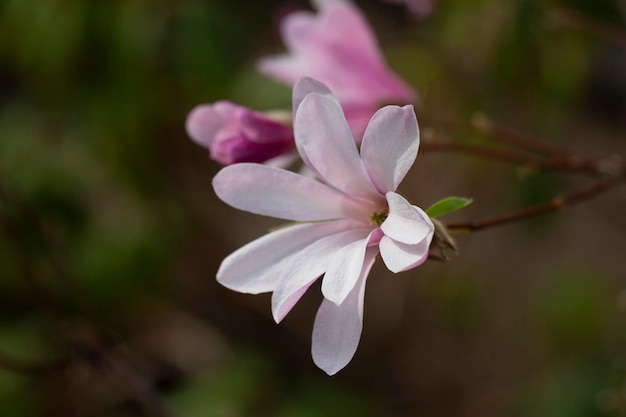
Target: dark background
[{"x": 111, "y": 235}]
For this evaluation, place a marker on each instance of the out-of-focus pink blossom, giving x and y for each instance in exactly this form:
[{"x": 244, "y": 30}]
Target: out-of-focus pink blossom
[
  {"x": 421, "y": 9},
  {"x": 337, "y": 47},
  {"x": 233, "y": 133},
  {"x": 348, "y": 215}
]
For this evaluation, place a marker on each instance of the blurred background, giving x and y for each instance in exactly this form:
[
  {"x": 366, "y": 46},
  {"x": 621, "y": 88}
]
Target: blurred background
[{"x": 110, "y": 234}]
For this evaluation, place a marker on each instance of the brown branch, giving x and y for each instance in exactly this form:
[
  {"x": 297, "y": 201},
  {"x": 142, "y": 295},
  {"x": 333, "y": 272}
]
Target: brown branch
[
  {"x": 442, "y": 145},
  {"x": 522, "y": 140},
  {"x": 569, "y": 163},
  {"x": 608, "y": 171},
  {"x": 553, "y": 205},
  {"x": 566, "y": 17}
]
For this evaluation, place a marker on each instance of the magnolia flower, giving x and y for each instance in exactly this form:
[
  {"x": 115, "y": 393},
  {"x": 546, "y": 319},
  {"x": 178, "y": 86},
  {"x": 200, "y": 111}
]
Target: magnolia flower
[
  {"x": 338, "y": 47},
  {"x": 233, "y": 133},
  {"x": 348, "y": 216}
]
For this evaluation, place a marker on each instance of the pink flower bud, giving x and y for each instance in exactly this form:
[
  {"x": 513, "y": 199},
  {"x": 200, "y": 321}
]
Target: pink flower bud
[{"x": 233, "y": 133}]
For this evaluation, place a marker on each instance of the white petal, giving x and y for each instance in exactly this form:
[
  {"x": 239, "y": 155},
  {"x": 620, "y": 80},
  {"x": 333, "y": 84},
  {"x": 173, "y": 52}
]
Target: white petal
[
  {"x": 257, "y": 266},
  {"x": 405, "y": 223},
  {"x": 390, "y": 145},
  {"x": 322, "y": 134},
  {"x": 304, "y": 269},
  {"x": 306, "y": 86},
  {"x": 282, "y": 161},
  {"x": 399, "y": 256},
  {"x": 301, "y": 89},
  {"x": 279, "y": 193},
  {"x": 344, "y": 268},
  {"x": 337, "y": 328}
]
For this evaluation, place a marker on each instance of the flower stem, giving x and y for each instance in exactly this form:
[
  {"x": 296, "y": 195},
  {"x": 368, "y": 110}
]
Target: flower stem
[
  {"x": 566, "y": 17},
  {"x": 533, "y": 153},
  {"x": 554, "y": 204},
  {"x": 432, "y": 143},
  {"x": 510, "y": 136}
]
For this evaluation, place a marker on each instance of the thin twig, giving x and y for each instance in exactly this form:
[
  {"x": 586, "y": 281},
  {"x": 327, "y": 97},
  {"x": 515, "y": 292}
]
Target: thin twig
[
  {"x": 516, "y": 138},
  {"x": 554, "y": 204},
  {"x": 608, "y": 171},
  {"x": 570, "y": 163},
  {"x": 566, "y": 17}
]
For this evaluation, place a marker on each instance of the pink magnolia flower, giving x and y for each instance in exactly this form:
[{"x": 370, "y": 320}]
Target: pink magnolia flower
[
  {"x": 348, "y": 216},
  {"x": 338, "y": 48},
  {"x": 233, "y": 133}
]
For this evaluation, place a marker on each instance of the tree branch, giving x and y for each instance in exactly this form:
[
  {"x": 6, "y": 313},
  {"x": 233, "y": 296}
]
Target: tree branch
[{"x": 553, "y": 205}]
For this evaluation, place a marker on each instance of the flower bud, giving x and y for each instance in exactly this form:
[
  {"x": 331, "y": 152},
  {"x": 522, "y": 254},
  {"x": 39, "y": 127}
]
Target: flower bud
[{"x": 234, "y": 133}]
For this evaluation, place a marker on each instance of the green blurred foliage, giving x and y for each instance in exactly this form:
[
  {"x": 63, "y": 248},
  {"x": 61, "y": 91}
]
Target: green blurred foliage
[
  {"x": 28, "y": 341},
  {"x": 569, "y": 390},
  {"x": 576, "y": 313},
  {"x": 247, "y": 385},
  {"x": 575, "y": 309},
  {"x": 243, "y": 386},
  {"x": 459, "y": 302},
  {"x": 16, "y": 395}
]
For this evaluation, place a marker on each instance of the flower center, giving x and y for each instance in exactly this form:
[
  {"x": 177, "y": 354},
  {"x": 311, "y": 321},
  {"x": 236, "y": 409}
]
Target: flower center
[{"x": 379, "y": 217}]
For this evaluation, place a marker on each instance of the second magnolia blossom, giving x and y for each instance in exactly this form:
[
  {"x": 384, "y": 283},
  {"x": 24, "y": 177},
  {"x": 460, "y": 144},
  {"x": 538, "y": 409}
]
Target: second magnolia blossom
[
  {"x": 337, "y": 47},
  {"x": 348, "y": 215}
]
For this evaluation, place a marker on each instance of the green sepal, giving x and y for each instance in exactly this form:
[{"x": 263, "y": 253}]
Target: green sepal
[{"x": 448, "y": 205}]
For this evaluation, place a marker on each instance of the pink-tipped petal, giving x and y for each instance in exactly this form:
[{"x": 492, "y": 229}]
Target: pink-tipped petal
[
  {"x": 337, "y": 328},
  {"x": 275, "y": 192},
  {"x": 341, "y": 23},
  {"x": 258, "y": 128},
  {"x": 399, "y": 256},
  {"x": 298, "y": 31},
  {"x": 346, "y": 43},
  {"x": 202, "y": 124},
  {"x": 302, "y": 271},
  {"x": 323, "y": 135},
  {"x": 390, "y": 145},
  {"x": 344, "y": 268},
  {"x": 406, "y": 223},
  {"x": 257, "y": 266}
]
